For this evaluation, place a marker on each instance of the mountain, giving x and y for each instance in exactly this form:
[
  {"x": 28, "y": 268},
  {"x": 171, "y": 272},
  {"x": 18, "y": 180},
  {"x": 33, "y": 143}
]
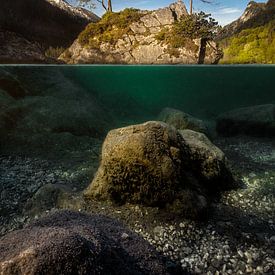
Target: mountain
[
  {"x": 141, "y": 37},
  {"x": 251, "y": 38},
  {"x": 255, "y": 15},
  {"x": 40, "y": 23}
]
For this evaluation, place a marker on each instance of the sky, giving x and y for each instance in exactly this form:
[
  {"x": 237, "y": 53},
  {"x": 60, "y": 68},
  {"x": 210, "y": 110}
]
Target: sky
[{"x": 224, "y": 11}]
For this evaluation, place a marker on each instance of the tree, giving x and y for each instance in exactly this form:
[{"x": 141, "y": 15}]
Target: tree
[
  {"x": 197, "y": 26},
  {"x": 91, "y": 4}
]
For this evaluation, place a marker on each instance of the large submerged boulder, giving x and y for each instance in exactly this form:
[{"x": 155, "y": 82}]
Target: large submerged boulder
[
  {"x": 136, "y": 37},
  {"x": 207, "y": 161},
  {"x": 74, "y": 243},
  {"x": 155, "y": 165},
  {"x": 140, "y": 164},
  {"x": 182, "y": 121},
  {"x": 39, "y": 105},
  {"x": 256, "y": 120}
]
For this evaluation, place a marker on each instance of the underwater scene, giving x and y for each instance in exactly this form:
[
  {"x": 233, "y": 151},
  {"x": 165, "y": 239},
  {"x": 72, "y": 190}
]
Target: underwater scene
[{"x": 137, "y": 169}]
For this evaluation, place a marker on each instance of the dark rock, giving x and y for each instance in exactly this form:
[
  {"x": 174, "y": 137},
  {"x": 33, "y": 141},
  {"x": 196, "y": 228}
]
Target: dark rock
[
  {"x": 256, "y": 120},
  {"x": 14, "y": 48},
  {"x": 6, "y": 101},
  {"x": 12, "y": 87},
  {"x": 46, "y": 198},
  {"x": 53, "y": 108},
  {"x": 80, "y": 117},
  {"x": 74, "y": 243},
  {"x": 182, "y": 121}
]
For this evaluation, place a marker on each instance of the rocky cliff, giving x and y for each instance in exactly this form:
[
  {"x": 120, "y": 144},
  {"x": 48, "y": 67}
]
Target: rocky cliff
[
  {"x": 29, "y": 27},
  {"x": 136, "y": 37},
  {"x": 255, "y": 15}
]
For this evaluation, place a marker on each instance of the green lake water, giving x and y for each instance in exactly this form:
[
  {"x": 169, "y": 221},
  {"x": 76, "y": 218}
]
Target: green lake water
[{"x": 140, "y": 92}]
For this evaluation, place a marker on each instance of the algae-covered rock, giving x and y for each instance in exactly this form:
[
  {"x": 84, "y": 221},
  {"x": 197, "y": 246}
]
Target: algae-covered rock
[
  {"x": 140, "y": 164},
  {"x": 74, "y": 243},
  {"x": 208, "y": 162},
  {"x": 155, "y": 165},
  {"x": 182, "y": 121},
  {"x": 256, "y": 120}
]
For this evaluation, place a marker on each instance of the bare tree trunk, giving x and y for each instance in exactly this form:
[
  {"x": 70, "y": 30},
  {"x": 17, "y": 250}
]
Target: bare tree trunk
[
  {"x": 191, "y": 6},
  {"x": 110, "y": 8}
]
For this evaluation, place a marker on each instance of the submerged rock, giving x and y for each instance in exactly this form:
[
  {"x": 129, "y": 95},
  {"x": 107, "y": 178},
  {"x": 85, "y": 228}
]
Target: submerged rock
[
  {"x": 208, "y": 162},
  {"x": 256, "y": 120},
  {"x": 182, "y": 121},
  {"x": 140, "y": 164},
  {"x": 42, "y": 107},
  {"x": 46, "y": 198},
  {"x": 74, "y": 243},
  {"x": 79, "y": 116},
  {"x": 5, "y": 102},
  {"x": 153, "y": 164},
  {"x": 12, "y": 86}
]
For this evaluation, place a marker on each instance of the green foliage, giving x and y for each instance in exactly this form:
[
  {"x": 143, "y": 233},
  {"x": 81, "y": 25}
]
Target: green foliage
[
  {"x": 54, "y": 53},
  {"x": 189, "y": 27},
  {"x": 255, "y": 45},
  {"x": 110, "y": 28},
  {"x": 197, "y": 25}
]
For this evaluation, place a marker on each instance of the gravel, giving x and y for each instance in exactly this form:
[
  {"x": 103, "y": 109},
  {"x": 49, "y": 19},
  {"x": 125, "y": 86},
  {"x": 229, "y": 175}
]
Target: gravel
[{"x": 237, "y": 238}]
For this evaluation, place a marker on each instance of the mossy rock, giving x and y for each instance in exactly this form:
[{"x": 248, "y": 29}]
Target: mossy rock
[
  {"x": 140, "y": 164},
  {"x": 153, "y": 164},
  {"x": 110, "y": 28}
]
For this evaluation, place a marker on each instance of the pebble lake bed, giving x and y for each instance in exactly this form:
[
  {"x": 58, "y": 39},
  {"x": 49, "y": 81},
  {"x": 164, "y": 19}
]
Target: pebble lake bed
[{"x": 48, "y": 157}]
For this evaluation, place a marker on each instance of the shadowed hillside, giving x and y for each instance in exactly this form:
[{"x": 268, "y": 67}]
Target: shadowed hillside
[{"x": 28, "y": 28}]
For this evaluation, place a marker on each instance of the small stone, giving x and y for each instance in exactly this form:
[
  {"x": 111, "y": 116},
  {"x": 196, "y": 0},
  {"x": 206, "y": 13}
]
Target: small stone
[
  {"x": 260, "y": 269},
  {"x": 182, "y": 225},
  {"x": 248, "y": 269},
  {"x": 124, "y": 236},
  {"x": 242, "y": 266},
  {"x": 240, "y": 253}
]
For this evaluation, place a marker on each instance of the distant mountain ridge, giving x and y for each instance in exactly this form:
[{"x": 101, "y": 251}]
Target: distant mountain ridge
[
  {"x": 43, "y": 23},
  {"x": 251, "y": 38},
  {"x": 76, "y": 11},
  {"x": 255, "y": 15}
]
